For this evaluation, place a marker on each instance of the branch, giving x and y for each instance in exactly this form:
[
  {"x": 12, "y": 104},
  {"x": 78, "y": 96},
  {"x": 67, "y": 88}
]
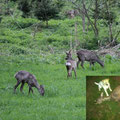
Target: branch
[
  {"x": 116, "y": 47},
  {"x": 111, "y": 43},
  {"x": 116, "y": 36}
]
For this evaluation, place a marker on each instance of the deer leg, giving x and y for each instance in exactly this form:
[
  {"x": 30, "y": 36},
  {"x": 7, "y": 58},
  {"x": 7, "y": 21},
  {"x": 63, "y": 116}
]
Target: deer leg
[
  {"x": 78, "y": 63},
  {"x": 21, "y": 88},
  {"x": 90, "y": 64},
  {"x": 30, "y": 89},
  {"x": 99, "y": 88},
  {"x": 16, "y": 86},
  {"x": 106, "y": 92},
  {"x": 110, "y": 88},
  {"x": 69, "y": 72},
  {"x": 93, "y": 63},
  {"x": 82, "y": 62},
  {"x": 75, "y": 72}
]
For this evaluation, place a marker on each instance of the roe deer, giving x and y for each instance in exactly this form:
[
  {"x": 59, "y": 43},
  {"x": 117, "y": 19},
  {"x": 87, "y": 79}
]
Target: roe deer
[
  {"x": 26, "y": 77},
  {"x": 90, "y": 56},
  {"x": 105, "y": 84},
  {"x": 115, "y": 95},
  {"x": 70, "y": 64}
]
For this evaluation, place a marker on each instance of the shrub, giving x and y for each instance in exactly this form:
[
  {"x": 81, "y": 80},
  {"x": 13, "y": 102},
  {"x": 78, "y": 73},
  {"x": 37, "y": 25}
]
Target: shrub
[
  {"x": 18, "y": 23},
  {"x": 17, "y": 50}
]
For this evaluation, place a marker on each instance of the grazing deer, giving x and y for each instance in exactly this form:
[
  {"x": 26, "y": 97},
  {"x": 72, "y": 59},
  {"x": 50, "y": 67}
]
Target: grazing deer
[
  {"x": 115, "y": 95},
  {"x": 70, "y": 64},
  {"x": 86, "y": 55},
  {"x": 26, "y": 77}
]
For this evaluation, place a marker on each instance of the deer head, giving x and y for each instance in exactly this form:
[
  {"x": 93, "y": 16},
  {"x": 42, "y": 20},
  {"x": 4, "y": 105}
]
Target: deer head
[
  {"x": 69, "y": 55},
  {"x": 41, "y": 90}
]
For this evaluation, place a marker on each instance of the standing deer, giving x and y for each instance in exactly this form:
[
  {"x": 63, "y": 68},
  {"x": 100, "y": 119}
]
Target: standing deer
[
  {"x": 86, "y": 55},
  {"x": 26, "y": 77},
  {"x": 70, "y": 64}
]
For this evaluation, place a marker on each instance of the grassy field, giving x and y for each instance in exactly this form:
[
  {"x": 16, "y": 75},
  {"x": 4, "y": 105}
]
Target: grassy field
[
  {"x": 26, "y": 43},
  {"x": 65, "y": 99}
]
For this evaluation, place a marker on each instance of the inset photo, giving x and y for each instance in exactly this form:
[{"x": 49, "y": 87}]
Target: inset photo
[{"x": 103, "y": 97}]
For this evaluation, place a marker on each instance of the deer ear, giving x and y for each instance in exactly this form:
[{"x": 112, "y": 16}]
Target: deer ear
[
  {"x": 70, "y": 51},
  {"x": 66, "y": 52}
]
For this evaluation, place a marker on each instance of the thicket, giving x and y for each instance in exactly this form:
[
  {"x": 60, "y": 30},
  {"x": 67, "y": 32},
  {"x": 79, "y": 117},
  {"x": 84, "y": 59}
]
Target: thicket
[{"x": 22, "y": 33}]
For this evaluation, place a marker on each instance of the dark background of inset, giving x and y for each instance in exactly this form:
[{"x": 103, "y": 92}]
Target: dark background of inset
[{"x": 108, "y": 110}]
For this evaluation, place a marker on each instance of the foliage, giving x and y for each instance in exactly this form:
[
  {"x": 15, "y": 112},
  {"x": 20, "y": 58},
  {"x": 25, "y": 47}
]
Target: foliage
[
  {"x": 19, "y": 22},
  {"x": 45, "y": 10},
  {"x": 27, "y": 44}
]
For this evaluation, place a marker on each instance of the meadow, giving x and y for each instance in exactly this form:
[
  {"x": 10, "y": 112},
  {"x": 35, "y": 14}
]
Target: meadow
[
  {"x": 26, "y": 43},
  {"x": 65, "y": 99}
]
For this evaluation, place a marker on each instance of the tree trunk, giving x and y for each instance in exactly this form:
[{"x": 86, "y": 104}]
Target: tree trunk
[
  {"x": 83, "y": 21},
  {"x": 110, "y": 33},
  {"x": 84, "y": 12},
  {"x": 71, "y": 41},
  {"x": 76, "y": 42},
  {"x": 96, "y": 17},
  {"x": 88, "y": 17},
  {"x": 46, "y": 23},
  {"x": 109, "y": 23}
]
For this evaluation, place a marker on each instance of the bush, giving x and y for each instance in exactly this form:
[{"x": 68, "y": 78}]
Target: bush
[
  {"x": 17, "y": 50},
  {"x": 14, "y": 37},
  {"x": 18, "y": 23}
]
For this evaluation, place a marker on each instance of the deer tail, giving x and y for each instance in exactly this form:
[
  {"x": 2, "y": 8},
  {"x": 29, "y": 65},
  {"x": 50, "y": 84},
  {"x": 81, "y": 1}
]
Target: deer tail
[{"x": 96, "y": 83}]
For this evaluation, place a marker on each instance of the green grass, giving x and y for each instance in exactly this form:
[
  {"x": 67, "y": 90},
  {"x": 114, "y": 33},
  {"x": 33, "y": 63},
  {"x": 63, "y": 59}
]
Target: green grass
[
  {"x": 65, "y": 99},
  {"x": 57, "y": 35}
]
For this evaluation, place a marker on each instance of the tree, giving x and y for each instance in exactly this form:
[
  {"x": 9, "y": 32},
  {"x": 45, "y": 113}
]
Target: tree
[
  {"x": 108, "y": 13},
  {"x": 25, "y": 7},
  {"x": 45, "y": 10},
  {"x": 96, "y": 10},
  {"x": 42, "y": 9},
  {"x": 83, "y": 7}
]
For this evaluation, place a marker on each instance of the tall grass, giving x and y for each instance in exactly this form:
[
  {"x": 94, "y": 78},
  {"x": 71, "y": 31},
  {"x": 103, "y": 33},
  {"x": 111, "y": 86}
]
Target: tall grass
[
  {"x": 65, "y": 99},
  {"x": 62, "y": 96}
]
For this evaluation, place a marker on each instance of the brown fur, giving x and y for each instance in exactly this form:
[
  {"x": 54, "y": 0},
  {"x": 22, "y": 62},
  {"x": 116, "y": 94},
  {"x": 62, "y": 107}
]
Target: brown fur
[
  {"x": 70, "y": 64},
  {"x": 87, "y": 55},
  {"x": 26, "y": 77}
]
